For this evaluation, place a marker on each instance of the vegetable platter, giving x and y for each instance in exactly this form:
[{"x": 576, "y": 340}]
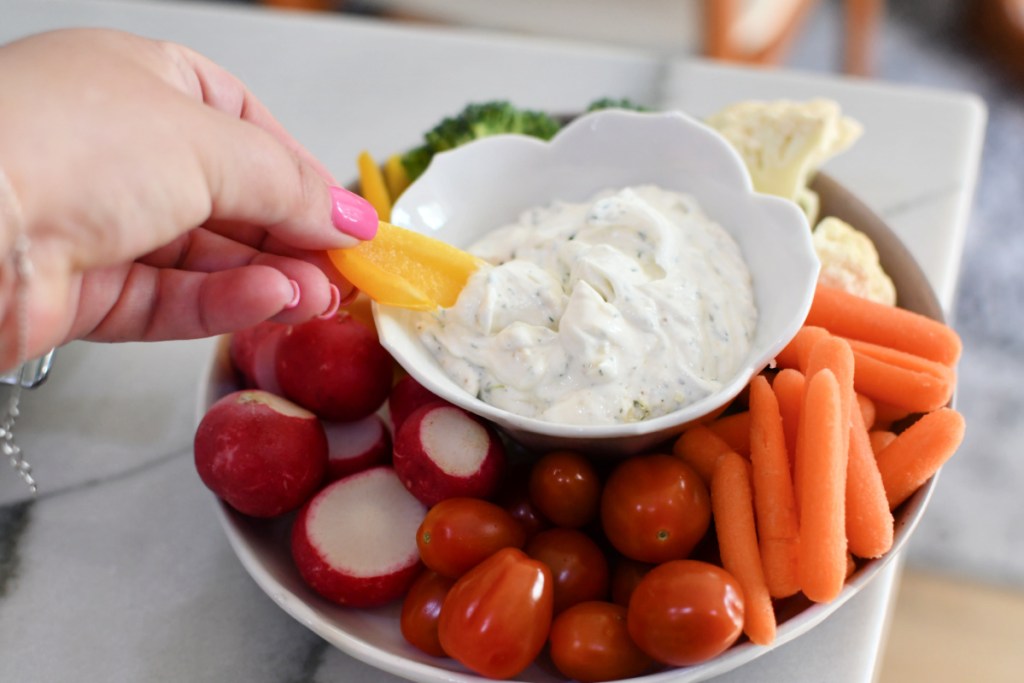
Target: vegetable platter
[{"x": 374, "y": 635}]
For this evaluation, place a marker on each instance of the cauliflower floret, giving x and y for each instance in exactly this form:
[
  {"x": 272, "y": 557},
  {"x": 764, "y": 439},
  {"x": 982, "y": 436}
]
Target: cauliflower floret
[
  {"x": 783, "y": 142},
  {"x": 849, "y": 261},
  {"x": 809, "y": 201}
]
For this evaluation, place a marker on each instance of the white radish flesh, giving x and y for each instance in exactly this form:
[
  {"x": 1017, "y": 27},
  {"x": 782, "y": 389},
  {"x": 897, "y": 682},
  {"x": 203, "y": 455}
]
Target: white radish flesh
[
  {"x": 456, "y": 444},
  {"x": 355, "y": 542},
  {"x": 356, "y": 446},
  {"x": 441, "y": 451}
]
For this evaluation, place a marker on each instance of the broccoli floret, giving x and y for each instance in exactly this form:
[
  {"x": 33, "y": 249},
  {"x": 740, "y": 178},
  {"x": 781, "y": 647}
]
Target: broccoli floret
[
  {"x": 477, "y": 121},
  {"x": 449, "y": 134},
  {"x": 612, "y": 103},
  {"x": 416, "y": 160},
  {"x": 494, "y": 118}
]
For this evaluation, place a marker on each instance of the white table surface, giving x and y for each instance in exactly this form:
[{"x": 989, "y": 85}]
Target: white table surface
[{"x": 119, "y": 571}]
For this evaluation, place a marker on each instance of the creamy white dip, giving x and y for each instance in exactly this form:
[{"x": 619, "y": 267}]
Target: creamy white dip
[{"x": 626, "y": 307}]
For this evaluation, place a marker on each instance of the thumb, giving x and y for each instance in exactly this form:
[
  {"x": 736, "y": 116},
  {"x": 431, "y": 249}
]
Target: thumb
[
  {"x": 255, "y": 183},
  {"x": 254, "y": 179}
]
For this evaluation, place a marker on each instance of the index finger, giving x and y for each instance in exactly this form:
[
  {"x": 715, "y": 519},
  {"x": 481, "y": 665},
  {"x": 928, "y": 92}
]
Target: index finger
[{"x": 219, "y": 88}]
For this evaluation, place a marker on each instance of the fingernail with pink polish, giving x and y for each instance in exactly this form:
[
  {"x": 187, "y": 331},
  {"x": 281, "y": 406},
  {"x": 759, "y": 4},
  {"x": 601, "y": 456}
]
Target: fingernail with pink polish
[
  {"x": 333, "y": 306},
  {"x": 352, "y": 295},
  {"x": 352, "y": 214},
  {"x": 296, "y": 296}
]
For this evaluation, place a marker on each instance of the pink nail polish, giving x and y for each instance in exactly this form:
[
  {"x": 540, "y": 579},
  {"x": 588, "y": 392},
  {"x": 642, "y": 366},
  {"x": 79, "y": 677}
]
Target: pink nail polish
[
  {"x": 296, "y": 296},
  {"x": 352, "y": 295},
  {"x": 352, "y": 214},
  {"x": 332, "y": 307}
]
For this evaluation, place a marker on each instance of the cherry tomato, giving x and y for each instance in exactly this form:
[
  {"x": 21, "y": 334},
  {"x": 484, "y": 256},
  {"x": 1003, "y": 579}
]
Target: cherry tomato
[
  {"x": 655, "y": 508},
  {"x": 421, "y": 609},
  {"x": 578, "y": 567},
  {"x": 685, "y": 612},
  {"x": 526, "y": 513},
  {"x": 497, "y": 617},
  {"x": 515, "y": 497},
  {"x": 590, "y": 642},
  {"x": 459, "y": 533},
  {"x": 626, "y": 574},
  {"x": 566, "y": 488}
]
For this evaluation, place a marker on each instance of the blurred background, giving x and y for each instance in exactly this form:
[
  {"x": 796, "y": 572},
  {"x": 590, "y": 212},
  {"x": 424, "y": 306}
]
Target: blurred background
[{"x": 959, "y": 614}]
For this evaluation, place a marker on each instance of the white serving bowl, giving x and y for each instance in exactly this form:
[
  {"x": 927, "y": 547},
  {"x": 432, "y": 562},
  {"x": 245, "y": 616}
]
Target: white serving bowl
[
  {"x": 488, "y": 183},
  {"x": 373, "y": 636}
]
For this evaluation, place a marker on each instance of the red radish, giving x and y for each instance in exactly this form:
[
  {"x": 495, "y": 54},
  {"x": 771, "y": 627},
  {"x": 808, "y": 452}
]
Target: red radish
[
  {"x": 336, "y": 367},
  {"x": 441, "y": 451},
  {"x": 261, "y": 453},
  {"x": 406, "y": 396},
  {"x": 264, "y": 360},
  {"x": 355, "y": 542},
  {"x": 244, "y": 346},
  {"x": 356, "y": 446}
]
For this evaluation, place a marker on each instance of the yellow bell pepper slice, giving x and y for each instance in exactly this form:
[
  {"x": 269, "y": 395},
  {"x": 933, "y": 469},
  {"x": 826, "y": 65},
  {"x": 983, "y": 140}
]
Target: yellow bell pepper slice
[
  {"x": 372, "y": 185},
  {"x": 395, "y": 176},
  {"x": 403, "y": 268}
]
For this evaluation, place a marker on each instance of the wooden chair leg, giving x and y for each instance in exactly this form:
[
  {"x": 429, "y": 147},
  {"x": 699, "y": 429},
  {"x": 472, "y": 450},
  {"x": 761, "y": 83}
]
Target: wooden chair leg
[
  {"x": 311, "y": 5},
  {"x": 719, "y": 16},
  {"x": 775, "y": 50},
  {"x": 862, "y": 20}
]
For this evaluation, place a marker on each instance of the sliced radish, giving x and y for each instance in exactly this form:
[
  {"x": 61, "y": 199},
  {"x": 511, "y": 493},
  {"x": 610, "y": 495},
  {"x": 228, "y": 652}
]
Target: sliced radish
[
  {"x": 406, "y": 396},
  {"x": 441, "y": 451},
  {"x": 355, "y": 542},
  {"x": 356, "y": 446}
]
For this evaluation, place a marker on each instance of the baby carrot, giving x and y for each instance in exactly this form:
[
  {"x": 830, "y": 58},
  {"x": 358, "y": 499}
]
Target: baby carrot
[
  {"x": 778, "y": 529},
  {"x": 848, "y": 315},
  {"x": 867, "y": 410},
  {"x": 851, "y": 564},
  {"x": 734, "y": 430},
  {"x": 901, "y": 379},
  {"x": 886, "y": 414},
  {"x": 834, "y": 353},
  {"x": 732, "y": 508},
  {"x": 918, "y": 452},
  {"x": 372, "y": 185},
  {"x": 903, "y": 359},
  {"x": 821, "y": 462},
  {"x": 795, "y": 353},
  {"x": 869, "y": 522},
  {"x": 700, "y": 448},
  {"x": 880, "y": 438},
  {"x": 789, "y": 390}
]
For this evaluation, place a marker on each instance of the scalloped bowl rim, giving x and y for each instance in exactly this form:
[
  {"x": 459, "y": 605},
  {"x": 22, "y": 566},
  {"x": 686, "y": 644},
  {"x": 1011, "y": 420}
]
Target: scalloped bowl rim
[{"x": 436, "y": 204}]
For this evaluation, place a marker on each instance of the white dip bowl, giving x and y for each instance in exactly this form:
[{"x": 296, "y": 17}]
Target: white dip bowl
[{"x": 488, "y": 183}]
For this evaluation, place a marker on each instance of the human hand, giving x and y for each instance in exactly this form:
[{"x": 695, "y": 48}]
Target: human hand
[{"x": 160, "y": 199}]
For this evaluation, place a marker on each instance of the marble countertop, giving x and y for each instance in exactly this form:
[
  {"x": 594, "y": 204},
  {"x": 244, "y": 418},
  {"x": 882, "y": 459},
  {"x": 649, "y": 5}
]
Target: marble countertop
[{"x": 118, "y": 570}]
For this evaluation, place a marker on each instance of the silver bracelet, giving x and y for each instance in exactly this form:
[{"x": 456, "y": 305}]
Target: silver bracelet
[{"x": 10, "y": 212}]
